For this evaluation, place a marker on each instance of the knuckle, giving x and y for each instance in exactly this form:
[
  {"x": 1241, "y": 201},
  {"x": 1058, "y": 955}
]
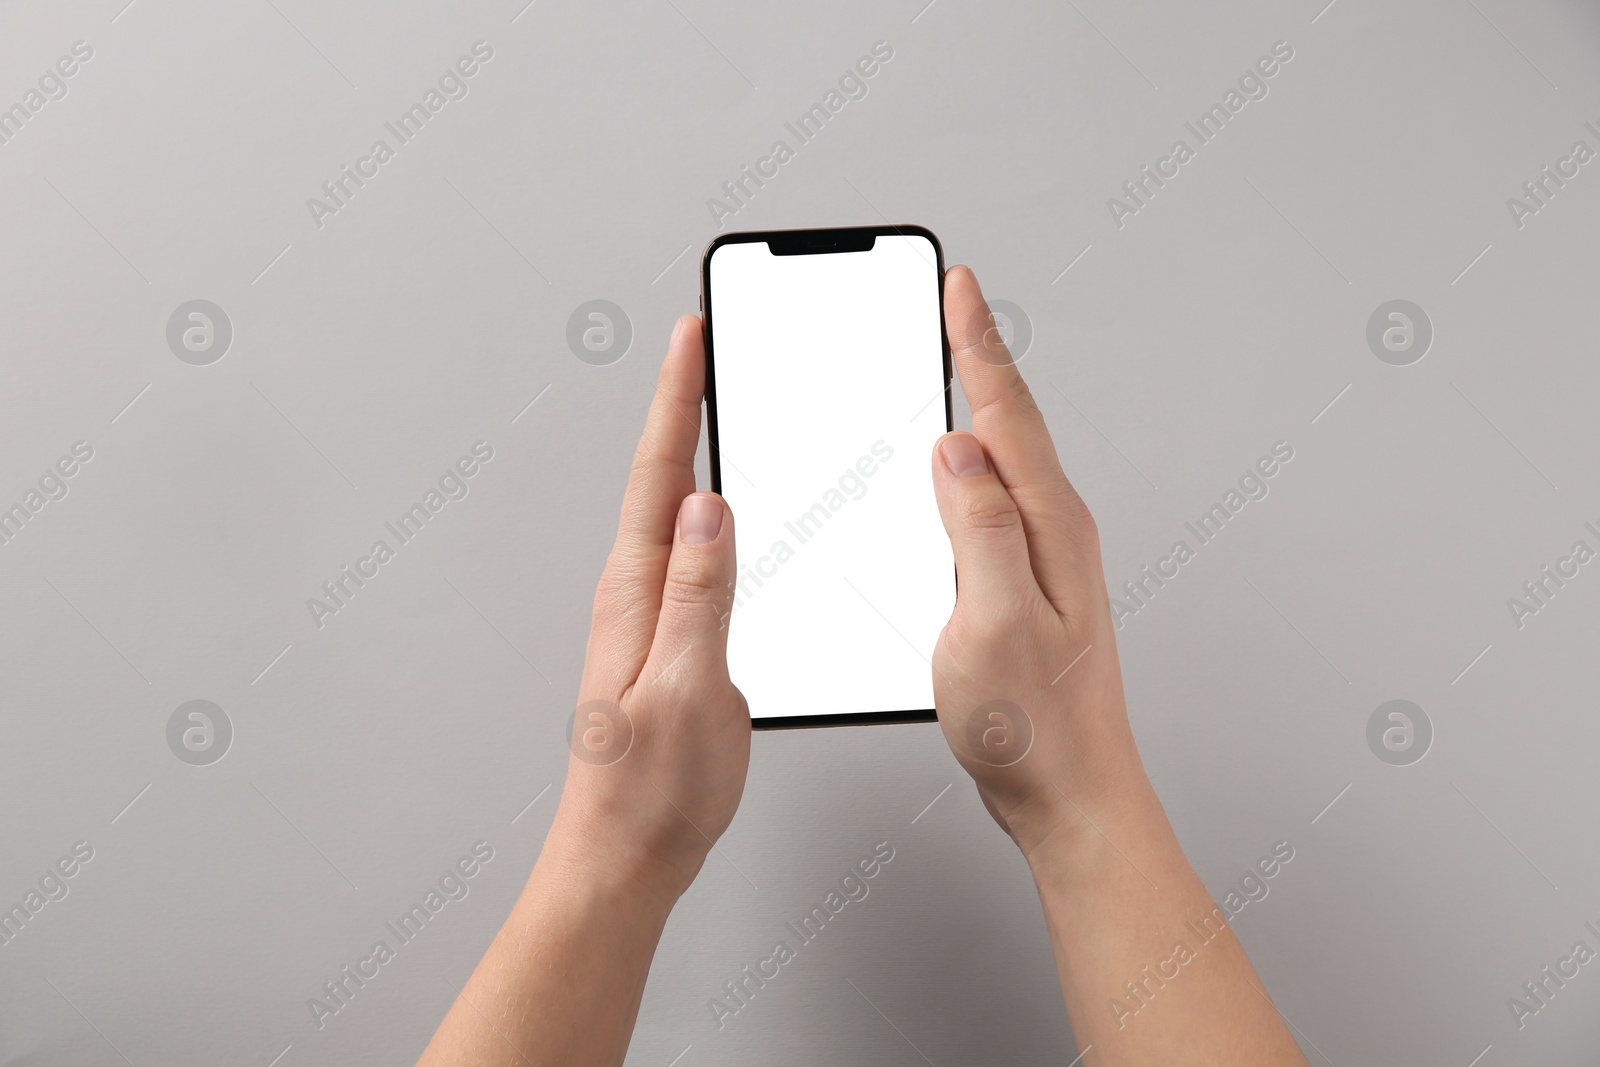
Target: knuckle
[
  {"x": 1082, "y": 533},
  {"x": 653, "y": 455},
  {"x": 623, "y": 596},
  {"x": 1083, "y": 527},
  {"x": 1022, "y": 400},
  {"x": 609, "y": 594},
  {"x": 978, "y": 637},
  {"x": 967, "y": 347},
  {"x": 694, "y": 585},
  {"x": 992, "y": 514},
  {"x": 1014, "y": 400},
  {"x": 1064, "y": 509},
  {"x": 618, "y": 584}
]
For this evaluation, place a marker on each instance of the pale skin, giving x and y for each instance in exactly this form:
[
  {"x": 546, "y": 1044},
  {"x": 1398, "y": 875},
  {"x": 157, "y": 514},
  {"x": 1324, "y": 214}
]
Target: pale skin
[{"x": 561, "y": 983}]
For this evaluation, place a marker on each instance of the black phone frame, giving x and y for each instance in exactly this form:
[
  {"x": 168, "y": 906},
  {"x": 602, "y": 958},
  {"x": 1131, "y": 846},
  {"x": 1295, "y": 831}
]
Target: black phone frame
[{"x": 816, "y": 242}]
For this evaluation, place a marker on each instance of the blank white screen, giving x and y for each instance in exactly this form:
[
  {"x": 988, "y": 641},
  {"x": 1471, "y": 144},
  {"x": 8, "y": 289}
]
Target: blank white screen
[{"x": 829, "y": 381}]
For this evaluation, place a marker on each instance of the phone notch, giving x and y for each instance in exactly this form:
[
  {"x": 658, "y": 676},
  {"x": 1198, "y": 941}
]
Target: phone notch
[{"x": 821, "y": 242}]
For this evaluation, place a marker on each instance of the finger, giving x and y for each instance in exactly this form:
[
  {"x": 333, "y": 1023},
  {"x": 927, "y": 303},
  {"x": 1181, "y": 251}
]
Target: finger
[
  {"x": 1005, "y": 416},
  {"x": 629, "y": 596},
  {"x": 691, "y": 636},
  {"x": 984, "y": 524}
]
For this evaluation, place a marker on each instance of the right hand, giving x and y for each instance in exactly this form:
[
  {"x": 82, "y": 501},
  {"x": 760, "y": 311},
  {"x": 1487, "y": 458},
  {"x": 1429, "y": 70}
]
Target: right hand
[{"x": 1026, "y": 678}]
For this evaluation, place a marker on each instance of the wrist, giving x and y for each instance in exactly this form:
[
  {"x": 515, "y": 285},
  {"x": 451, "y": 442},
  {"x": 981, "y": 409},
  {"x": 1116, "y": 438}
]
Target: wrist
[
  {"x": 1102, "y": 784},
  {"x": 1081, "y": 829},
  {"x": 591, "y": 851},
  {"x": 1100, "y": 833}
]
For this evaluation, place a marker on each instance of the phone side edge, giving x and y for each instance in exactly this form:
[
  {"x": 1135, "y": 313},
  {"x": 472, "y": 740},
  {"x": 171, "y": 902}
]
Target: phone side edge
[
  {"x": 713, "y": 451},
  {"x": 845, "y": 718}
]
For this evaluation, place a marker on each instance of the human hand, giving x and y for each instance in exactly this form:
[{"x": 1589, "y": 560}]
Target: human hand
[
  {"x": 1029, "y": 694},
  {"x": 660, "y": 746},
  {"x": 1026, "y": 678},
  {"x": 661, "y": 738}
]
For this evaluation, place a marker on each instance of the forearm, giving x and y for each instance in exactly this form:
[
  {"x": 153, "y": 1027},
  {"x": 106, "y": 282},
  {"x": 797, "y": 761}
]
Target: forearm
[
  {"x": 1150, "y": 970},
  {"x": 562, "y": 981}
]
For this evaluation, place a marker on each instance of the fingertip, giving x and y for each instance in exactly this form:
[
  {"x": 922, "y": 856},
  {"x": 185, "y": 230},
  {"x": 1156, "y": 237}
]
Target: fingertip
[
  {"x": 682, "y": 334},
  {"x": 963, "y": 454},
  {"x": 962, "y": 277},
  {"x": 684, "y": 329},
  {"x": 701, "y": 518},
  {"x": 683, "y": 368},
  {"x": 969, "y": 325}
]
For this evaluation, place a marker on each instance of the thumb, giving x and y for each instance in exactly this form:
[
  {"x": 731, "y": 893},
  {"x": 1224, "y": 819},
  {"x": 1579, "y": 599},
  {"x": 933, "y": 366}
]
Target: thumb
[
  {"x": 697, "y": 599},
  {"x": 983, "y": 522}
]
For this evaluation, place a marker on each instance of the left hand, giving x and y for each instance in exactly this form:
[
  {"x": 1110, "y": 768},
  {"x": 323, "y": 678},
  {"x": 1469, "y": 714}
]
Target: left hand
[{"x": 661, "y": 743}]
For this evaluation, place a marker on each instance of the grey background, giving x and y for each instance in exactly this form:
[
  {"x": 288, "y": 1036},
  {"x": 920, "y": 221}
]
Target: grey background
[{"x": 1226, "y": 316}]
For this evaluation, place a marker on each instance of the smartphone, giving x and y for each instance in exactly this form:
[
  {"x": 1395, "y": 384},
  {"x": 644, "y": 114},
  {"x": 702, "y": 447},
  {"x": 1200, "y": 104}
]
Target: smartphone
[{"x": 827, "y": 384}]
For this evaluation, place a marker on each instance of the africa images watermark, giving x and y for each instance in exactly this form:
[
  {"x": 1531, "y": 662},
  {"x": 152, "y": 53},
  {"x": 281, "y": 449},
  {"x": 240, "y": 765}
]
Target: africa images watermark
[
  {"x": 52, "y": 887},
  {"x": 852, "y": 85},
  {"x": 1142, "y": 188},
  {"x": 1543, "y": 987},
  {"x": 1538, "y": 591},
  {"x": 1542, "y": 188},
  {"x": 454, "y": 84},
  {"x": 452, "y": 886},
  {"x": 853, "y": 888},
  {"x": 852, "y": 485},
  {"x": 1253, "y": 486},
  {"x": 453, "y": 485},
  {"x": 1142, "y": 990},
  {"x": 51, "y": 86},
  {"x": 52, "y": 486}
]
